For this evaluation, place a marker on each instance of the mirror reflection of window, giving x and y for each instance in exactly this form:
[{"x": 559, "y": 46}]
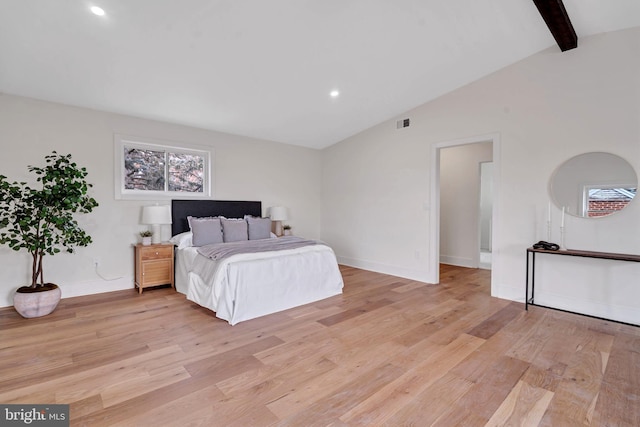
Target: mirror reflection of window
[{"x": 607, "y": 200}]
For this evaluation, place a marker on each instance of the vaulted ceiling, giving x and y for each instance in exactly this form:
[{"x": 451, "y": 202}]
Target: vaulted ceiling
[{"x": 265, "y": 69}]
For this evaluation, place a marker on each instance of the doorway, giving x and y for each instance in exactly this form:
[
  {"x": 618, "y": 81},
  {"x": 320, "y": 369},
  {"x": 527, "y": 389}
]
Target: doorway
[
  {"x": 460, "y": 203},
  {"x": 472, "y": 257}
]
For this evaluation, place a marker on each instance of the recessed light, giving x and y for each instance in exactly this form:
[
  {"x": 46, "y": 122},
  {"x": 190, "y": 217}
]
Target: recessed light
[
  {"x": 334, "y": 93},
  {"x": 97, "y": 10}
]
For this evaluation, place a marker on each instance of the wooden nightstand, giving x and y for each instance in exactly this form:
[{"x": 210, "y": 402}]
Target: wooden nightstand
[{"x": 153, "y": 265}]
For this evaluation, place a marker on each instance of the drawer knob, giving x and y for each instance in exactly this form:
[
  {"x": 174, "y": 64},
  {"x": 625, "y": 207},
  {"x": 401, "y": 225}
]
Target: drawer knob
[{"x": 156, "y": 253}]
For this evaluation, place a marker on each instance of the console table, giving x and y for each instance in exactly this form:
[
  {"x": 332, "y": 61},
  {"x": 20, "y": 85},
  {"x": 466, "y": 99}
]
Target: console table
[{"x": 531, "y": 254}]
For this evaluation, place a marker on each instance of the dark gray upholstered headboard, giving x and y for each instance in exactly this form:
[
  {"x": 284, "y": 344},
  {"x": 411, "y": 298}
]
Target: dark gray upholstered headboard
[{"x": 181, "y": 209}]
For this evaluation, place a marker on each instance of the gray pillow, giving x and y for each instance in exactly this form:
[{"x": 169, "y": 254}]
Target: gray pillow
[
  {"x": 259, "y": 228},
  {"x": 206, "y": 231},
  {"x": 234, "y": 230}
]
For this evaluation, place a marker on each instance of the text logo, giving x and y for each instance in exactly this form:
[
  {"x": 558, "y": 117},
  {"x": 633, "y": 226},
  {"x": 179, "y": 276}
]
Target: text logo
[{"x": 34, "y": 415}]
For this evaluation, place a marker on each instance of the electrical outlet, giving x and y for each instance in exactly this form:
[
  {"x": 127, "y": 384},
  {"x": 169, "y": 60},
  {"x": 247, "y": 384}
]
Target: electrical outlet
[{"x": 96, "y": 261}]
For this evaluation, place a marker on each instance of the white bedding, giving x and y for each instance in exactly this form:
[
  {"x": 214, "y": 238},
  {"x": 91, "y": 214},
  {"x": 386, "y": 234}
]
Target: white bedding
[{"x": 247, "y": 286}]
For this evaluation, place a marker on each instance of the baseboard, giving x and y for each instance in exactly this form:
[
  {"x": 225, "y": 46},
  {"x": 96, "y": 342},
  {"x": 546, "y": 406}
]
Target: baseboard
[
  {"x": 406, "y": 273},
  {"x": 84, "y": 288},
  {"x": 485, "y": 266},
  {"x": 510, "y": 293},
  {"x": 457, "y": 261},
  {"x": 620, "y": 313},
  {"x": 95, "y": 287}
]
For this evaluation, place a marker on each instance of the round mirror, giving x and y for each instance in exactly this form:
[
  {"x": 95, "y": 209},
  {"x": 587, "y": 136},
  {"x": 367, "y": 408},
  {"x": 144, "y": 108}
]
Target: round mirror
[{"x": 593, "y": 185}]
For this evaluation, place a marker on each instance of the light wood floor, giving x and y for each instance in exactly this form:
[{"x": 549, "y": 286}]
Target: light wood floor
[{"x": 389, "y": 351}]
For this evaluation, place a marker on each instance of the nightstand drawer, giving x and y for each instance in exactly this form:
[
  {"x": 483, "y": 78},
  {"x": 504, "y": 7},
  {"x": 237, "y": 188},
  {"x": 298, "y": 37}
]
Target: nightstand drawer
[{"x": 155, "y": 252}]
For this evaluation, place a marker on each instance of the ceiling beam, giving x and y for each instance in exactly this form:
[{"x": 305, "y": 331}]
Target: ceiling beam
[{"x": 557, "y": 19}]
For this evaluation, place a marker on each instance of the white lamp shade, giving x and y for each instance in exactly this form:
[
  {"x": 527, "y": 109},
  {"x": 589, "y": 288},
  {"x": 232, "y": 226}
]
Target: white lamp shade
[
  {"x": 278, "y": 213},
  {"x": 156, "y": 215}
]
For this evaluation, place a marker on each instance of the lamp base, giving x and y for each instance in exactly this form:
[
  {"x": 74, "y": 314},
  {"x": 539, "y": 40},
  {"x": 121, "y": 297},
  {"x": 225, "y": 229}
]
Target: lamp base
[
  {"x": 156, "y": 238},
  {"x": 278, "y": 228}
]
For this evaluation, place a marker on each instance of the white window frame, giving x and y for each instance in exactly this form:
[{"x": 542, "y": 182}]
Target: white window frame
[{"x": 121, "y": 193}]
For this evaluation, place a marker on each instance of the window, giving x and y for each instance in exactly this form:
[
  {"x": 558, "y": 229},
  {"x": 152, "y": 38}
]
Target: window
[{"x": 148, "y": 169}]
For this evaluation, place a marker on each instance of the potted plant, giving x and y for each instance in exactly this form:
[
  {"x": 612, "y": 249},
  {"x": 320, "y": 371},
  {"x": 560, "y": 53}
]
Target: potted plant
[
  {"x": 287, "y": 230},
  {"x": 42, "y": 222},
  {"x": 146, "y": 237}
]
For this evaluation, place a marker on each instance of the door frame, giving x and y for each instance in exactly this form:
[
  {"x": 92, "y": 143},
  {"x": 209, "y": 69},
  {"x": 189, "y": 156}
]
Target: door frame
[{"x": 479, "y": 251}]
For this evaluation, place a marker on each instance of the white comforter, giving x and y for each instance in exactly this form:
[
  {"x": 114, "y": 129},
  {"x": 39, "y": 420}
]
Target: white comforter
[{"x": 246, "y": 286}]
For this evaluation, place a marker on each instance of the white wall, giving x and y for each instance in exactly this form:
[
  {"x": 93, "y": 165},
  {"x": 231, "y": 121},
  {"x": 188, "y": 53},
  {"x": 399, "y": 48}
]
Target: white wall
[
  {"x": 460, "y": 202},
  {"x": 545, "y": 109},
  {"x": 245, "y": 169}
]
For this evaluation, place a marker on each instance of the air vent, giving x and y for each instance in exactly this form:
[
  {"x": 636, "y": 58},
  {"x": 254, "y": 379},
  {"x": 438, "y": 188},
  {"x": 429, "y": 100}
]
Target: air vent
[{"x": 404, "y": 123}]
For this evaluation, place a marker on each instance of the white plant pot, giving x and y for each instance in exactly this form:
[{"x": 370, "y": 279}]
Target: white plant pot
[
  {"x": 36, "y": 304},
  {"x": 146, "y": 241}
]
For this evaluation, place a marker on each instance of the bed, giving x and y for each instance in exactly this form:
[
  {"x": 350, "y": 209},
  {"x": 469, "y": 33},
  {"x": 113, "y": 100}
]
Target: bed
[{"x": 251, "y": 278}]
